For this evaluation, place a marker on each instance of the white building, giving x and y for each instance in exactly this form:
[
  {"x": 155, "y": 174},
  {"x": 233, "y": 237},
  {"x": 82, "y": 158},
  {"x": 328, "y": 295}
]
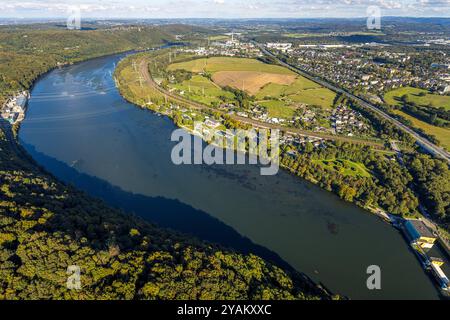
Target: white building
[{"x": 279, "y": 46}]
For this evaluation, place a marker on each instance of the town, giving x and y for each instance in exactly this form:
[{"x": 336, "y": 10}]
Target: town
[
  {"x": 372, "y": 69},
  {"x": 14, "y": 109}
]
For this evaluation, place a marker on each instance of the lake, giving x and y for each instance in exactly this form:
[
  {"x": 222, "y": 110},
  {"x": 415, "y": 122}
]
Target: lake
[{"x": 80, "y": 129}]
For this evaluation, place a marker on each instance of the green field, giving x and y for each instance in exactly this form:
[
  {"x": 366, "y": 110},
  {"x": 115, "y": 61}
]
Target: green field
[
  {"x": 219, "y": 38},
  {"x": 393, "y": 97},
  {"x": 301, "y": 91},
  {"x": 216, "y": 64},
  {"x": 202, "y": 90},
  {"x": 278, "y": 109},
  {"x": 130, "y": 88},
  {"x": 442, "y": 134},
  {"x": 281, "y": 100},
  {"x": 345, "y": 167}
]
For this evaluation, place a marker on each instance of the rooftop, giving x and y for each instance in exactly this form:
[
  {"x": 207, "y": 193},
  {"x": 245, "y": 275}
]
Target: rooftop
[{"x": 420, "y": 228}]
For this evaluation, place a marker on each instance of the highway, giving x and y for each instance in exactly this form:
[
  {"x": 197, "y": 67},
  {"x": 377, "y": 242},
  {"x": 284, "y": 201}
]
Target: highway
[{"x": 423, "y": 142}]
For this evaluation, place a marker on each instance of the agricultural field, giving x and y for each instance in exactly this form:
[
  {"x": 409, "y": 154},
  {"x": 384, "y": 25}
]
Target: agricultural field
[
  {"x": 301, "y": 90},
  {"x": 278, "y": 109},
  {"x": 217, "y": 64},
  {"x": 345, "y": 167},
  {"x": 275, "y": 87},
  {"x": 436, "y": 100},
  {"x": 442, "y": 134},
  {"x": 220, "y": 37},
  {"x": 251, "y": 81},
  {"x": 201, "y": 89}
]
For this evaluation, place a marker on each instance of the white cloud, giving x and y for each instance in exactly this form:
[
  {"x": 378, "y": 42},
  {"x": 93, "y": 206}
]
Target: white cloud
[{"x": 228, "y": 8}]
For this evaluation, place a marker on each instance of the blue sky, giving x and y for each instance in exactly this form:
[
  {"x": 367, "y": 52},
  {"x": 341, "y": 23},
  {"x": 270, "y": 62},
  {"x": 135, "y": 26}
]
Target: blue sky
[{"x": 221, "y": 8}]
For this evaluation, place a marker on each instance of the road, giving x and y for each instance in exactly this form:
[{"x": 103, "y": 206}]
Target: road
[
  {"x": 143, "y": 70},
  {"x": 423, "y": 142}
]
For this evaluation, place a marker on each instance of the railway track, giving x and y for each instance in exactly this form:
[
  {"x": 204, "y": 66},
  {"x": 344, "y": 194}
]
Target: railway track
[{"x": 144, "y": 71}]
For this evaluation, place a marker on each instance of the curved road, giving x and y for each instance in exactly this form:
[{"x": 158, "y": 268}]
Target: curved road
[{"x": 423, "y": 142}]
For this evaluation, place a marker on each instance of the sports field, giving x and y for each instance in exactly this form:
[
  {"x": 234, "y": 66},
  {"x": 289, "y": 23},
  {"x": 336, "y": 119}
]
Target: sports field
[{"x": 436, "y": 100}]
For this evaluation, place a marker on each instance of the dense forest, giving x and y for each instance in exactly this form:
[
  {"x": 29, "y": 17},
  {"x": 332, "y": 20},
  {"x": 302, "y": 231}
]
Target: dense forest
[
  {"x": 26, "y": 53},
  {"x": 389, "y": 185},
  {"x": 46, "y": 226}
]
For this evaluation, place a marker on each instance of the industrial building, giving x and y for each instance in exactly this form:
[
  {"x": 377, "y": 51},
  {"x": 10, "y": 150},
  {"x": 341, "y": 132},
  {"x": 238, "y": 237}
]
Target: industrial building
[{"x": 420, "y": 234}]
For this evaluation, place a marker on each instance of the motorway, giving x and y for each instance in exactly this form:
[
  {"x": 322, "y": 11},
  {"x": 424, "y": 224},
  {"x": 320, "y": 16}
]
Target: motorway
[
  {"x": 423, "y": 142},
  {"x": 143, "y": 70}
]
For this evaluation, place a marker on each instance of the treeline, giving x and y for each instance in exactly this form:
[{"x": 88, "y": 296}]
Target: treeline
[
  {"x": 386, "y": 129},
  {"x": 46, "y": 226},
  {"x": 393, "y": 187},
  {"x": 439, "y": 117},
  {"x": 388, "y": 186},
  {"x": 432, "y": 180},
  {"x": 26, "y": 53},
  {"x": 242, "y": 98},
  {"x": 178, "y": 76}
]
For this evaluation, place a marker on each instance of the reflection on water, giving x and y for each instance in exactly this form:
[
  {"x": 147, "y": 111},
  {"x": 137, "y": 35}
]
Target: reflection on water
[{"x": 94, "y": 131}]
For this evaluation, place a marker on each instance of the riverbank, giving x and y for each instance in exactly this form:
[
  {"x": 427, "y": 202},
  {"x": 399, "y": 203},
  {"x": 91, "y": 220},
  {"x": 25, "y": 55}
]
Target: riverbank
[
  {"x": 283, "y": 225},
  {"x": 17, "y": 157},
  {"x": 170, "y": 113},
  {"x": 179, "y": 105}
]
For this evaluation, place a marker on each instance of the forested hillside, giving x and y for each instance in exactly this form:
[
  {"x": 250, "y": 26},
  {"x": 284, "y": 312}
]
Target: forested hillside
[
  {"x": 26, "y": 53},
  {"x": 46, "y": 226}
]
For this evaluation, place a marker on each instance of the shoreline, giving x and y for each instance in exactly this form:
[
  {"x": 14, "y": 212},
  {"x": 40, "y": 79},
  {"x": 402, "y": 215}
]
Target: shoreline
[
  {"x": 378, "y": 212},
  {"x": 14, "y": 140},
  {"x": 394, "y": 221},
  {"x": 159, "y": 113}
]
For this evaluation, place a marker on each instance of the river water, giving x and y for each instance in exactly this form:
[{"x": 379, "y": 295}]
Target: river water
[{"x": 79, "y": 128}]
